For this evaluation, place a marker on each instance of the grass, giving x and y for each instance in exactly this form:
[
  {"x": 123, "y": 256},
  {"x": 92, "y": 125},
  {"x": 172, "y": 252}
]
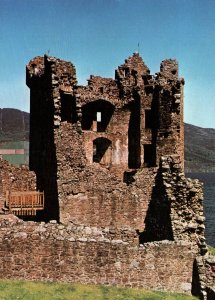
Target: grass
[
  {"x": 26, "y": 290},
  {"x": 211, "y": 250}
]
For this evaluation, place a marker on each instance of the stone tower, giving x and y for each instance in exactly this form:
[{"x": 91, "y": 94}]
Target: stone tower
[{"x": 110, "y": 130}]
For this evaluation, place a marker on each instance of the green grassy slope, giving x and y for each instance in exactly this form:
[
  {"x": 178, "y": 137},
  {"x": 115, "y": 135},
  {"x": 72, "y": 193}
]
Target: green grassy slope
[{"x": 25, "y": 290}]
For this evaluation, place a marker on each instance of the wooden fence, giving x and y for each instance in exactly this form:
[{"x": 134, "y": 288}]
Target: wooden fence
[{"x": 24, "y": 203}]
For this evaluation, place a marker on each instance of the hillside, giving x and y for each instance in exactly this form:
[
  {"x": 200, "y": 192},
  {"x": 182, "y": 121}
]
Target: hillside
[
  {"x": 14, "y": 125},
  {"x": 199, "y": 142},
  {"x": 14, "y": 134},
  {"x": 199, "y": 149}
]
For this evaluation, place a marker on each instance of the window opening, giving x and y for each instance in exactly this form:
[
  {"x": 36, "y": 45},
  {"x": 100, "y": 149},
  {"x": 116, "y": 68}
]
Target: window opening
[
  {"x": 102, "y": 151},
  {"x": 134, "y": 147},
  {"x": 148, "y": 118},
  {"x": 149, "y": 155},
  {"x": 126, "y": 72},
  {"x": 98, "y": 116},
  {"x": 68, "y": 109}
]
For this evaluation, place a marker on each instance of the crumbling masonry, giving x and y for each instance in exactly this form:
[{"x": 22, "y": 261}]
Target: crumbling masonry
[
  {"x": 109, "y": 157},
  {"x": 96, "y": 149}
]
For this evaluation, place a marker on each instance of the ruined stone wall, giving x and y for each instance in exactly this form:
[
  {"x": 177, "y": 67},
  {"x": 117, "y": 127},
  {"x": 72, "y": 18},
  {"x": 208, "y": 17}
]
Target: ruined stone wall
[
  {"x": 176, "y": 208},
  {"x": 13, "y": 178},
  {"x": 186, "y": 203},
  {"x": 204, "y": 276},
  {"x": 170, "y": 135},
  {"x": 90, "y": 194},
  {"x": 98, "y": 88},
  {"x": 109, "y": 251},
  {"x": 143, "y": 121},
  {"x": 47, "y": 78},
  {"x": 70, "y": 253},
  {"x": 103, "y": 180},
  {"x": 116, "y": 158}
]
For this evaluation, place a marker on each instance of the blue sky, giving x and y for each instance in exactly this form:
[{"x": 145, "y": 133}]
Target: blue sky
[{"x": 97, "y": 35}]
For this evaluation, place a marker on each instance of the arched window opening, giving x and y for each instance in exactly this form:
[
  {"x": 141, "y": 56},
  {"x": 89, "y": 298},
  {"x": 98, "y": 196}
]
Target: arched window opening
[
  {"x": 97, "y": 115},
  {"x": 102, "y": 151}
]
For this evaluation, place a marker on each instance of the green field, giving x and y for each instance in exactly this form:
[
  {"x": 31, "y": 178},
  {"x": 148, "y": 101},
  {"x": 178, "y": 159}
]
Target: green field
[
  {"x": 26, "y": 290},
  {"x": 16, "y": 159}
]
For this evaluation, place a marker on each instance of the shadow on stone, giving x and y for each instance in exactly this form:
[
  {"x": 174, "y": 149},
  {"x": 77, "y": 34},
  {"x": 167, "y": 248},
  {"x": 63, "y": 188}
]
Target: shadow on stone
[
  {"x": 195, "y": 290},
  {"x": 157, "y": 222}
]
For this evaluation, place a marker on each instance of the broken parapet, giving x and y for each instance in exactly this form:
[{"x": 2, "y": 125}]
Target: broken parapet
[{"x": 185, "y": 197}]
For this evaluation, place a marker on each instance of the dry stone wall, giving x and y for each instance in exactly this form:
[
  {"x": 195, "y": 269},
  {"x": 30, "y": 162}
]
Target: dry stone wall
[{"x": 93, "y": 255}]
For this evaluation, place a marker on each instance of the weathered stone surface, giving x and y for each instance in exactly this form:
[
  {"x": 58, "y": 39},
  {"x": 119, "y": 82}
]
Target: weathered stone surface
[
  {"x": 48, "y": 256},
  {"x": 109, "y": 157},
  {"x": 13, "y": 178}
]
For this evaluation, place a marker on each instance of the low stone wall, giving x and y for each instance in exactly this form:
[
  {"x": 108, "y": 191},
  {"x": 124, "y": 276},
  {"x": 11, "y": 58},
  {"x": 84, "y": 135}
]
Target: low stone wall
[{"x": 39, "y": 251}]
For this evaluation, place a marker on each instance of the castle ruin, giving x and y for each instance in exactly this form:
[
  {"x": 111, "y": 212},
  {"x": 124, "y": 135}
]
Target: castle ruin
[
  {"x": 96, "y": 149},
  {"x": 109, "y": 158}
]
